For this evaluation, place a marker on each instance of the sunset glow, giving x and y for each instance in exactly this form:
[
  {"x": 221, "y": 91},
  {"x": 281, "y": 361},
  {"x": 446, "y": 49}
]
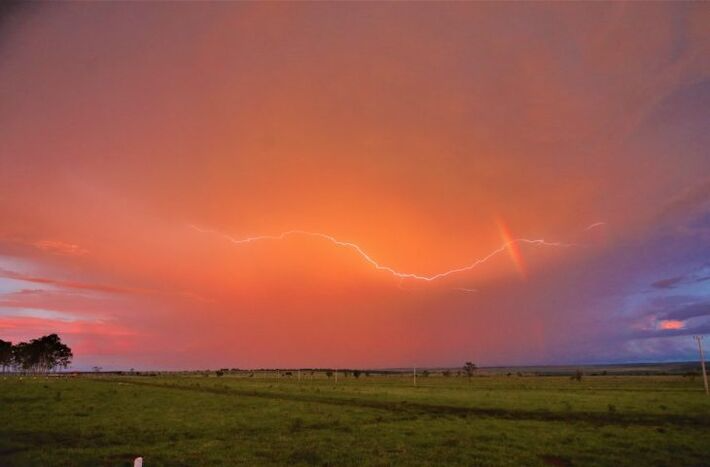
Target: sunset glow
[
  {"x": 671, "y": 324},
  {"x": 192, "y": 185}
]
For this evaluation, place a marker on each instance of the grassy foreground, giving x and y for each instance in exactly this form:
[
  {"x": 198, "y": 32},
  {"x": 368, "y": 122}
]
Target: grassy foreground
[{"x": 382, "y": 420}]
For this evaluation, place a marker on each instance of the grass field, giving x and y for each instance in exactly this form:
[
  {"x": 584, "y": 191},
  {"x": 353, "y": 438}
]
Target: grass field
[{"x": 377, "y": 420}]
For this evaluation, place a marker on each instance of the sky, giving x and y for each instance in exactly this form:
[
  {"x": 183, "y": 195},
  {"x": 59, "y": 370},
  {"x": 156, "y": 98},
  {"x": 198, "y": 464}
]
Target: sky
[{"x": 205, "y": 185}]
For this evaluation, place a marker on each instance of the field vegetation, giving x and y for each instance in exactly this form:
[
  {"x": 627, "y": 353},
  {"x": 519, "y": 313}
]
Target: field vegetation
[{"x": 268, "y": 419}]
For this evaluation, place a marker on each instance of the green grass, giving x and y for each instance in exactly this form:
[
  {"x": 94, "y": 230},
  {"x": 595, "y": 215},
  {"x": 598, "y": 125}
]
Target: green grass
[{"x": 383, "y": 420}]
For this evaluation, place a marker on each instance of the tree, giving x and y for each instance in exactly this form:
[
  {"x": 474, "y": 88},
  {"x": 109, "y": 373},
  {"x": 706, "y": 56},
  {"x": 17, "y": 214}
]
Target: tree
[
  {"x": 45, "y": 354},
  {"x": 56, "y": 353},
  {"x": 356, "y": 373},
  {"x": 6, "y": 359},
  {"x": 329, "y": 373},
  {"x": 21, "y": 359},
  {"x": 469, "y": 368}
]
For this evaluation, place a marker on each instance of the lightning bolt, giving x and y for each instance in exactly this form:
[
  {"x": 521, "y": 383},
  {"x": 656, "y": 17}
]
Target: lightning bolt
[
  {"x": 595, "y": 225},
  {"x": 466, "y": 289},
  {"x": 375, "y": 264}
]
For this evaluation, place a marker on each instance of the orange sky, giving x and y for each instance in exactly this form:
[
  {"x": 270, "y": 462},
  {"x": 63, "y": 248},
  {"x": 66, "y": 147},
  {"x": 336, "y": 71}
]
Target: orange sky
[{"x": 137, "y": 139}]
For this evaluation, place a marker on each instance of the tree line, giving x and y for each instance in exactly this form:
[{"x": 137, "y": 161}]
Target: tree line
[{"x": 40, "y": 355}]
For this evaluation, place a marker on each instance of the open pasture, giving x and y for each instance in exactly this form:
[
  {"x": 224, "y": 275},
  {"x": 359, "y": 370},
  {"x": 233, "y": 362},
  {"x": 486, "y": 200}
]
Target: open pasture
[{"x": 376, "y": 420}]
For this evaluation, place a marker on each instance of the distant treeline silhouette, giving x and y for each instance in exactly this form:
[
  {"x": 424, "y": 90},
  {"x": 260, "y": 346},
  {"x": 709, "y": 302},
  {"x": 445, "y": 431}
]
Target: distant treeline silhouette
[{"x": 41, "y": 355}]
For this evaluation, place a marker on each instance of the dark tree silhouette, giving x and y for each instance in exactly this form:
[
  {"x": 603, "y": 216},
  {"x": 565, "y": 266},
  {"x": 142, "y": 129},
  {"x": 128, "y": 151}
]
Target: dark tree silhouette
[
  {"x": 470, "y": 368},
  {"x": 6, "y": 359},
  {"x": 41, "y": 355}
]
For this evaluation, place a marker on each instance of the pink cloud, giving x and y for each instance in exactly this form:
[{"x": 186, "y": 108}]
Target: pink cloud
[
  {"x": 58, "y": 247},
  {"x": 669, "y": 324},
  {"x": 88, "y": 339},
  {"x": 75, "y": 303}
]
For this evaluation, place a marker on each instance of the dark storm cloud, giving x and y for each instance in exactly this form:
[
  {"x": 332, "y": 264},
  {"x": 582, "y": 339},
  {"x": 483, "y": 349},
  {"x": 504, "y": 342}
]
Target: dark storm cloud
[
  {"x": 696, "y": 276},
  {"x": 690, "y": 311},
  {"x": 686, "y": 331},
  {"x": 669, "y": 283}
]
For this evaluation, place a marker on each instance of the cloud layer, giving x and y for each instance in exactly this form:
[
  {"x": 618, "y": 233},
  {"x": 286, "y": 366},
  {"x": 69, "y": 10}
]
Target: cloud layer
[{"x": 414, "y": 132}]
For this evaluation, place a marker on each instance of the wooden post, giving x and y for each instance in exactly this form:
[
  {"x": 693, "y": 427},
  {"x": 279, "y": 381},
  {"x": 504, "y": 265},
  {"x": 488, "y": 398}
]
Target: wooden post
[{"x": 702, "y": 362}]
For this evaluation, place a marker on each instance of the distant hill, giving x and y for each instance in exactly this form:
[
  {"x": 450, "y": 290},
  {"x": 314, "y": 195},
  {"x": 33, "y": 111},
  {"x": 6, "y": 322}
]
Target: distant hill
[{"x": 672, "y": 368}]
